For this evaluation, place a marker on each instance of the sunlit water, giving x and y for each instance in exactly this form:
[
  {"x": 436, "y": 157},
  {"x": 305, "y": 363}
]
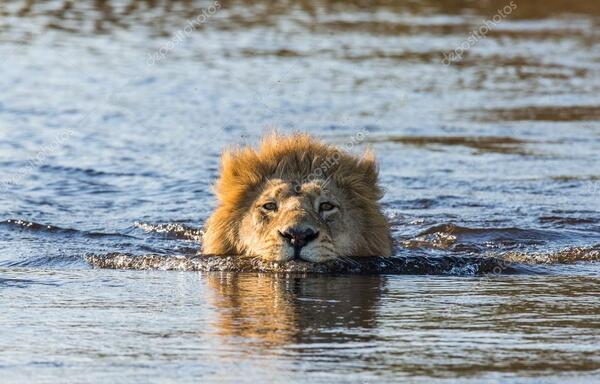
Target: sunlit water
[{"x": 107, "y": 147}]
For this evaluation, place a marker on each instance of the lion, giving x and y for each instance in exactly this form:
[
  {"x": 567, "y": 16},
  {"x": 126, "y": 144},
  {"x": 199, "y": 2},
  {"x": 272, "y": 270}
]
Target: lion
[{"x": 297, "y": 198}]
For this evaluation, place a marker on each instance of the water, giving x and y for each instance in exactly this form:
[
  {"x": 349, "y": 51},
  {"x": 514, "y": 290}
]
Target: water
[{"x": 110, "y": 133}]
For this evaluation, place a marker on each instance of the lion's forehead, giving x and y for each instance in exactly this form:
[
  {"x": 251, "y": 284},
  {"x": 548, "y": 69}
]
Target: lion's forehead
[{"x": 285, "y": 189}]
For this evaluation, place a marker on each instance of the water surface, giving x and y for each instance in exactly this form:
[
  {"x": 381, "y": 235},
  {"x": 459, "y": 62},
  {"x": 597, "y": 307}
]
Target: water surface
[{"x": 107, "y": 147}]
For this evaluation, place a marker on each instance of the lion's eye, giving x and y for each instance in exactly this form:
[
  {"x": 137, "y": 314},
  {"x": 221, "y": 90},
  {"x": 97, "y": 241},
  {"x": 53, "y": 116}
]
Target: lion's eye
[
  {"x": 270, "y": 206},
  {"x": 324, "y": 207}
]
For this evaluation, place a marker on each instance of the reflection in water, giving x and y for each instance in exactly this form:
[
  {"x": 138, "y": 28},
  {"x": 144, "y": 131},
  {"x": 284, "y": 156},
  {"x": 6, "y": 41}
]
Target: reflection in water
[
  {"x": 495, "y": 154},
  {"x": 280, "y": 310},
  {"x": 554, "y": 113},
  {"x": 481, "y": 144},
  {"x": 105, "y": 16}
]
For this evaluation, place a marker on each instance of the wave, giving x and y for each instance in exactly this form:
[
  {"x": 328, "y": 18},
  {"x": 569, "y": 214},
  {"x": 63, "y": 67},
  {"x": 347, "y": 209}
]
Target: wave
[
  {"x": 53, "y": 261},
  {"x": 565, "y": 256},
  {"x": 407, "y": 265},
  {"x": 172, "y": 230},
  {"x": 440, "y": 249},
  {"x": 22, "y": 283},
  {"x": 89, "y": 171},
  {"x": 567, "y": 221},
  {"x": 24, "y": 225},
  {"x": 454, "y": 229},
  {"x": 465, "y": 239}
]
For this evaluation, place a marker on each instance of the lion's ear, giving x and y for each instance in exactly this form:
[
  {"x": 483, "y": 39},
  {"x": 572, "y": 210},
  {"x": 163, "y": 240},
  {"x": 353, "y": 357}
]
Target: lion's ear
[
  {"x": 230, "y": 160},
  {"x": 241, "y": 170},
  {"x": 227, "y": 176},
  {"x": 368, "y": 166}
]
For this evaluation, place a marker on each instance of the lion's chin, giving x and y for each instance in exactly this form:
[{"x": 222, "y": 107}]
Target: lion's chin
[
  {"x": 301, "y": 260},
  {"x": 286, "y": 256}
]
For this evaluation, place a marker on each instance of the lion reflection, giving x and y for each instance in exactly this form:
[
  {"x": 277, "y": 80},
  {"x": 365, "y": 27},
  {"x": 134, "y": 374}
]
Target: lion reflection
[{"x": 278, "y": 310}]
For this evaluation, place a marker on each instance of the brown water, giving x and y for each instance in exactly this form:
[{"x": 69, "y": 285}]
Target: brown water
[{"x": 111, "y": 123}]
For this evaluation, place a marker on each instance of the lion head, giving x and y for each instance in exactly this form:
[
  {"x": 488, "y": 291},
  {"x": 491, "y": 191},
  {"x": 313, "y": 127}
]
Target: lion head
[{"x": 297, "y": 198}]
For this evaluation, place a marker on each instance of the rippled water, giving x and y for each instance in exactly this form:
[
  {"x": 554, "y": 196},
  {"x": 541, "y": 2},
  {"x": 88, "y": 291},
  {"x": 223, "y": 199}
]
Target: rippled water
[{"x": 111, "y": 125}]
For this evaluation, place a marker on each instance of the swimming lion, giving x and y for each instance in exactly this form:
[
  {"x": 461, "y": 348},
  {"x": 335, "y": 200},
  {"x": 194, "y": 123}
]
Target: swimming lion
[{"x": 297, "y": 198}]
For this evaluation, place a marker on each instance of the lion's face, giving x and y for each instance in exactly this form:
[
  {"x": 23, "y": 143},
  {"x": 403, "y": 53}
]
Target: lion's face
[
  {"x": 297, "y": 198},
  {"x": 293, "y": 220}
]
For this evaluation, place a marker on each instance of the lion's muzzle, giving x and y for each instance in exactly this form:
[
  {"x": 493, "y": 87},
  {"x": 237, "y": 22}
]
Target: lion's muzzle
[{"x": 298, "y": 237}]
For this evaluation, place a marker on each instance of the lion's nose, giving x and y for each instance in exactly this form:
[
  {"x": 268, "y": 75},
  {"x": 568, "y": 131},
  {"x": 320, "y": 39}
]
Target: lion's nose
[{"x": 299, "y": 237}]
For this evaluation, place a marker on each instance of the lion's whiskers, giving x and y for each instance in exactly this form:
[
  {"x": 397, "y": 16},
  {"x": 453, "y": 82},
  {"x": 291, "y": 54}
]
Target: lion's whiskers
[{"x": 348, "y": 260}]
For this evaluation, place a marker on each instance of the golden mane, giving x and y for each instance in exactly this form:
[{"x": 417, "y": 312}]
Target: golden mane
[{"x": 293, "y": 157}]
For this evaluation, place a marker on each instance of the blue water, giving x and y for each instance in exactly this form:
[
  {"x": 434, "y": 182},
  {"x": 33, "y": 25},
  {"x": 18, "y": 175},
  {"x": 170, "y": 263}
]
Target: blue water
[{"x": 103, "y": 150}]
